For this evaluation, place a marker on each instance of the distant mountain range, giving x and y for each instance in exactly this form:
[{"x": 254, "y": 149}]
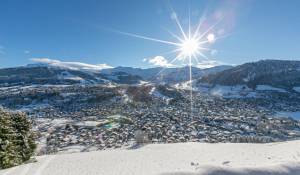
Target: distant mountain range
[
  {"x": 276, "y": 73},
  {"x": 49, "y": 74},
  {"x": 164, "y": 75}
]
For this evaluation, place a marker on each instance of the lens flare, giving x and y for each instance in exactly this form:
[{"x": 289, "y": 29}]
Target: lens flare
[{"x": 211, "y": 38}]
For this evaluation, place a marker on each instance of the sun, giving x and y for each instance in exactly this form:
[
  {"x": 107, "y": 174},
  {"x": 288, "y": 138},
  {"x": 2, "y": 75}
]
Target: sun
[{"x": 189, "y": 47}]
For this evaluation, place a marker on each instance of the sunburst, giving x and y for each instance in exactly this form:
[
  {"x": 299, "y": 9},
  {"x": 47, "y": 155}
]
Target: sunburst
[{"x": 190, "y": 46}]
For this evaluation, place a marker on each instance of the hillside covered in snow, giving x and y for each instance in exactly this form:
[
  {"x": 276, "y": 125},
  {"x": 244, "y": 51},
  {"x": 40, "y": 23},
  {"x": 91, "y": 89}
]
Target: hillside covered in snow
[
  {"x": 277, "y": 73},
  {"x": 173, "y": 159},
  {"x": 80, "y": 73}
]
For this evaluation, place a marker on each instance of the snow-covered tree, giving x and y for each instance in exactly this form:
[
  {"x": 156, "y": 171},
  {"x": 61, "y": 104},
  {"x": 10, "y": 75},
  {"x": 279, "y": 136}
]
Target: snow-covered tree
[{"x": 16, "y": 139}]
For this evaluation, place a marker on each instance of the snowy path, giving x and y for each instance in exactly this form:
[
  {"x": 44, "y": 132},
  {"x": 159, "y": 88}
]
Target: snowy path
[{"x": 178, "y": 159}]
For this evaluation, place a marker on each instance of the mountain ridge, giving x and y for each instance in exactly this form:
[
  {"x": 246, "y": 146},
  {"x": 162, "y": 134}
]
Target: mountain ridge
[
  {"x": 51, "y": 74},
  {"x": 277, "y": 73}
]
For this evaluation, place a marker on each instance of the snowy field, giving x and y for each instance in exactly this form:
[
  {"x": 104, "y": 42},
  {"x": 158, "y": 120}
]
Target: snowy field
[{"x": 173, "y": 159}]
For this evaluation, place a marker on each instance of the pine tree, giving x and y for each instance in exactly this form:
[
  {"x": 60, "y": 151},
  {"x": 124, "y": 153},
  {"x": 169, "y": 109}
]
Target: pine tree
[{"x": 16, "y": 139}]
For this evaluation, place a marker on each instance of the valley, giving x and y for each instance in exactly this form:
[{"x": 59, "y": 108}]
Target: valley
[
  {"x": 79, "y": 110},
  {"x": 80, "y": 118}
]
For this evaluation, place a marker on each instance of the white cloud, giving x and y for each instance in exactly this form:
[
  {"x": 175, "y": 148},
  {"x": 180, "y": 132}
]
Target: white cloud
[
  {"x": 26, "y": 52},
  {"x": 208, "y": 64},
  {"x": 71, "y": 65},
  {"x": 159, "y": 61}
]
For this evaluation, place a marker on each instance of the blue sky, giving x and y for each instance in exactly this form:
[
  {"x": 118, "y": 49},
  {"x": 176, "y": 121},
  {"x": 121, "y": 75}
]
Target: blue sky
[{"x": 84, "y": 30}]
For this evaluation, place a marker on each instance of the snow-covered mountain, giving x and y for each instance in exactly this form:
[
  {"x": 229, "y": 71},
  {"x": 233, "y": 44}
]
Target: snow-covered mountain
[
  {"x": 272, "y": 74},
  {"x": 275, "y": 73},
  {"x": 43, "y": 73},
  {"x": 166, "y": 75}
]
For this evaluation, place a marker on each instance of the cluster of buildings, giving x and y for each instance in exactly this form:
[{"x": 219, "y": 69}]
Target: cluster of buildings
[{"x": 85, "y": 118}]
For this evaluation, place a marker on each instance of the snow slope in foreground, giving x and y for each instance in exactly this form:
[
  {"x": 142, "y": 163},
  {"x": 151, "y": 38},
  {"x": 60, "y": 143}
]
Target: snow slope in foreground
[{"x": 179, "y": 159}]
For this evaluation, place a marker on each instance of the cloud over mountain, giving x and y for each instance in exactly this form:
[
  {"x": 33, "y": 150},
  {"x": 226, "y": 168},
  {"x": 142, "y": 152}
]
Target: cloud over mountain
[
  {"x": 159, "y": 61},
  {"x": 71, "y": 65}
]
